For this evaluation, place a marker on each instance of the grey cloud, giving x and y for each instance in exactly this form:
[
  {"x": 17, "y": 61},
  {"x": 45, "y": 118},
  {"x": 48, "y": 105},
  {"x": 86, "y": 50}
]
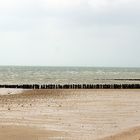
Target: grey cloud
[{"x": 79, "y": 35}]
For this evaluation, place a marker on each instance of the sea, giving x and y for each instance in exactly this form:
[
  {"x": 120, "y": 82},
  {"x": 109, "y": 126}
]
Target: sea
[{"x": 68, "y": 75}]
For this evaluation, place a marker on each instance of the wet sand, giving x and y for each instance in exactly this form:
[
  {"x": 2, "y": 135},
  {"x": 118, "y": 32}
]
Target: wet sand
[
  {"x": 27, "y": 133},
  {"x": 130, "y": 134},
  {"x": 70, "y": 114}
]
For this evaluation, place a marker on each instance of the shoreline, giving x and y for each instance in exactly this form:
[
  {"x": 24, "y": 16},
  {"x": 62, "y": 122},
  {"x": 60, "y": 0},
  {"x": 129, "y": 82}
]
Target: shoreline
[{"x": 11, "y": 91}]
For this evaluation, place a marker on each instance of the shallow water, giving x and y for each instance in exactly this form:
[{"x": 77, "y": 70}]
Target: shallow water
[{"x": 67, "y": 75}]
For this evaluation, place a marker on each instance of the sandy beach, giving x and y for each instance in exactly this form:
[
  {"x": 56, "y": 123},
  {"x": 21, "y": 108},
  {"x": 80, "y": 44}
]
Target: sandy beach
[{"x": 70, "y": 114}]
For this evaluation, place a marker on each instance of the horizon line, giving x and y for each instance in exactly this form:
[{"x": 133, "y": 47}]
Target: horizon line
[{"x": 69, "y": 66}]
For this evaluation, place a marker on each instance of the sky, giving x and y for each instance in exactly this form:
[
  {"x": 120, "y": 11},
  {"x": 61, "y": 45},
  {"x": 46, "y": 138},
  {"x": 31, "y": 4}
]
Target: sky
[{"x": 70, "y": 33}]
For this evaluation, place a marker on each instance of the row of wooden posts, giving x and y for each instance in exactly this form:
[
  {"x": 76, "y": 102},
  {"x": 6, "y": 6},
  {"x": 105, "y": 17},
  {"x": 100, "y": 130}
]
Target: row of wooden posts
[{"x": 73, "y": 86}]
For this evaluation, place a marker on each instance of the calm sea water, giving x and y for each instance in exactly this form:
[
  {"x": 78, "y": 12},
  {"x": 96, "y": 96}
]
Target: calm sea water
[{"x": 65, "y": 75}]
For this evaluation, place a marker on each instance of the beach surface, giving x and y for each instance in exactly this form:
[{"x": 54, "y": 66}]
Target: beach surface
[{"x": 70, "y": 114}]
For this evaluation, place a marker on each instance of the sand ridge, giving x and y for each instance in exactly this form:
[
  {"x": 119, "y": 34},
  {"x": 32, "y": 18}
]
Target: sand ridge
[
  {"x": 129, "y": 134},
  {"x": 27, "y": 133}
]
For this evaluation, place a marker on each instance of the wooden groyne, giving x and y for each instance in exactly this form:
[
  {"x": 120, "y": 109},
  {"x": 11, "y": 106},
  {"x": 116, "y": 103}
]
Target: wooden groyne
[{"x": 73, "y": 86}]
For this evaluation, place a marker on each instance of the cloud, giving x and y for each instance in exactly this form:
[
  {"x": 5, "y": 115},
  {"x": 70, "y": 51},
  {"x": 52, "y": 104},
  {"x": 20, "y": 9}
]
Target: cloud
[
  {"x": 100, "y": 4},
  {"x": 62, "y": 3},
  {"x": 70, "y": 32},
  {"x": 27, "y": 15}
]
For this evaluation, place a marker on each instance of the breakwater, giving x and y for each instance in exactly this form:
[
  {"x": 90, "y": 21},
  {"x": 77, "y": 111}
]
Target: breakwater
[{"x": 73, "y": 86}]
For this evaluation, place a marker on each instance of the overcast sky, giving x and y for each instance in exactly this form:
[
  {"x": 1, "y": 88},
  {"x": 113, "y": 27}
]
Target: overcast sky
[{"x": 70, "y": 32}]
